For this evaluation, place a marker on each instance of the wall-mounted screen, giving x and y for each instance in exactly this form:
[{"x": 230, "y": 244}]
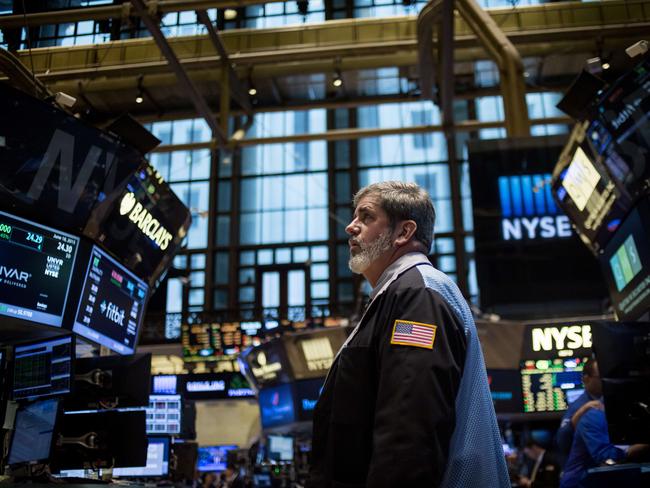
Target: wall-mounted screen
[
  {"x": 36, "y": 264},
  {"x": 213, "y": 458},
  {"x": 626, "y": 264},
  {"x": 43, "y": 368},
  {"x": 549, "y": 385},
  {"x": 213, "y": 341},
  {"x": 112, "y": 304},
  {"x": 164, "y": 384},
  {"x": 505, "y": 388},
  {"x": 34, "y": 431}
]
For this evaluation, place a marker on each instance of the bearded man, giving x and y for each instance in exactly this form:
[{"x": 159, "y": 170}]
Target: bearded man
[{"x": 406, "y": 402}]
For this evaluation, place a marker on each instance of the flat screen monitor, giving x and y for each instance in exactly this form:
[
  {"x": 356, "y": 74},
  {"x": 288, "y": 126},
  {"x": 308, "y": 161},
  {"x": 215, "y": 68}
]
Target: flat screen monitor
[
  {"x": 56, "y": 162},
  {"x": 164, "y": 414},
  {"x": 550, "y": 385},
  {"x": 213, "y": 458},
  {"x": 583, "y": 187},
  {"x": 505, "y": 388},
  {"x": 623, "y": 353},
  {"x": 144, "y": 227},
  {"x": 34, "y": 431},
  {"x": 280, "y": 448},
  {"x": 36, "y": 264},
  {"x": 43, "y": 368},
  {"x": 625, "y": 263},
  {"x": 164, "y": 384},
  {"x": 157, "y": 461},
  {"x": 276, "y": 406},
  {"x": 620, "y": 128},
  {"x": 112, "y": 304},
  {"x": 307, "y": 393},
  {"x": 524, "y": 241}
]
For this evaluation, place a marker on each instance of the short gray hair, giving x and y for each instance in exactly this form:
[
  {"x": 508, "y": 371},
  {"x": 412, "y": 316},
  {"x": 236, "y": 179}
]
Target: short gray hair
[{"x": 404, "y": 201}]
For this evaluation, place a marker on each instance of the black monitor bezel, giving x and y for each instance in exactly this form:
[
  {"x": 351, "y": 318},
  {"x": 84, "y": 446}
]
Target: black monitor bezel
[{"x": 168, "y": 448}]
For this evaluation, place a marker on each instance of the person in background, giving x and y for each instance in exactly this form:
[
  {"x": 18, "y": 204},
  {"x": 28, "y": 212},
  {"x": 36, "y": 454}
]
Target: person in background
[
  {"x": 406, "y": 402},
  {"x": 590, "y": 398},
  {"x": 545, "y": 472},
  {"x": 591, "y": 445},
  {"x": 231, "y": 478}
]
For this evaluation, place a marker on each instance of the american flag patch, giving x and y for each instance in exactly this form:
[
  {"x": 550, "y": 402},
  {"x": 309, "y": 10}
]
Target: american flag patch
[{"x": 407, "y": 333}]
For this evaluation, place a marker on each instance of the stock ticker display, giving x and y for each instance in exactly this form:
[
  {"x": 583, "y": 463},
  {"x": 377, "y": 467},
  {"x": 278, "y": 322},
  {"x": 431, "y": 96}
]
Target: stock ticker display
[
  {"x": 36, "y": 265},
  {"x": 202, "y": 342},
  {"x": 112, "y": 304},
  {"x": 549, "y": 385}
]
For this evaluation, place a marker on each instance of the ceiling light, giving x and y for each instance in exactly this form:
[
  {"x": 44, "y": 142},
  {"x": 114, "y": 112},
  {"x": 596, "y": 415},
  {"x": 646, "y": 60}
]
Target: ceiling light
[
  {"x": 252, "y": 91},
  {"x": 139, "y": 98},
  {"x": 605, "y": 65},
  {"x": 337, "y": 81},
  {"x": 230, "y": 14}
]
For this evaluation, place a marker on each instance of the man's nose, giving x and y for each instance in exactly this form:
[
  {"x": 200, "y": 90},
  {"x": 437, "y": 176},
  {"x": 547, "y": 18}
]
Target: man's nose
[{"x": 352, "y": 228}]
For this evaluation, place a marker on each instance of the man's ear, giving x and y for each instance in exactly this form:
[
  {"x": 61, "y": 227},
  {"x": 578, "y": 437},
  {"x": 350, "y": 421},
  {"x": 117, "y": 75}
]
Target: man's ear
[{"x": 406, "y": 231}]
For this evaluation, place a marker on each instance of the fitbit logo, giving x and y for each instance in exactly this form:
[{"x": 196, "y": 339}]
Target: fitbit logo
[
  {"x": 528, "y": 209},
  {"x": 112, "y": 312}
]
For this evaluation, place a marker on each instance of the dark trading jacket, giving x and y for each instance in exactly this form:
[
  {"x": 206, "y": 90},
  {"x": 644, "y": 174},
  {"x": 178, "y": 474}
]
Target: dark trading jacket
[{"x": 387, "y": 412}]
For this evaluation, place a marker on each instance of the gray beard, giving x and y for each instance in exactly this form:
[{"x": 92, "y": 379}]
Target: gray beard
[{"x": 370, "y": 252}]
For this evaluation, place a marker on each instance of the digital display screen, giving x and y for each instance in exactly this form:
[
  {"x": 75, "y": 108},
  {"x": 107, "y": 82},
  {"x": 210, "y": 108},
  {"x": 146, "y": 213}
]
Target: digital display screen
[
  {"x": 620, "y": 130},
  {"x": 549, "y": 385},
  {"x": 307, "y": 395},
  {"x": 505, "y": 389},
  {"x": 112, "y": 304},
  {"x": 144, "y": 226},
  {"x": 165, "y": 384},
  {"x": 588, "y": 194},
  {"x": 280, "y": 448},
  {"x": 212, "y": 341},
  {"x": 34, "y": 430},
  {"x": 625, "y": 263},
  {"x": 55, "y": 167},
  {"x": 157, "y": 461},
  {"x": 276, "y": 406},
  {"x": 164, "y": 414},
  {"x": 36, "y": 265},
  {"x": 522, "y": 236},
  {"x": 213, "y": 458},
  {"x": 43, "y": 368}
]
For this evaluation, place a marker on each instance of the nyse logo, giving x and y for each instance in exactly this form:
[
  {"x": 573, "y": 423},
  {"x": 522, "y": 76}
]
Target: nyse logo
[
  {"x": 528, "y": 209},
  {"x": 318, "y": 353},
  {"x": 561, "y": 338},
  {"x": 112, "y": 312}
]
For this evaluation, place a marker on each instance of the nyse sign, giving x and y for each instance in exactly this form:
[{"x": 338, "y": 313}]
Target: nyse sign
[
  {"x": 546, "y": 227},
  {"x": 564, "y": 339}
]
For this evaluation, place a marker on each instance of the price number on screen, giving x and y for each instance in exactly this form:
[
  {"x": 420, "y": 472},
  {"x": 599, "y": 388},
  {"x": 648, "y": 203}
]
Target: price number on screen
[
  {"x": 35, "y": 238},
  {"x": 66, "y": 248},
  {"x": 5, "y": 229}
]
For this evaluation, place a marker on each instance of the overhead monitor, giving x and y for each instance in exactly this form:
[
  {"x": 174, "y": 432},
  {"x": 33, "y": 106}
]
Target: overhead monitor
[
  {"x": 625, "y": 263},
  {"x": 583, "y": 187},
  {"x": 157, "y": 461},
  {"x": 36, "y": 264},
  {"x": 623, "y": 353},
  {"x": 34, "y": 432},
  {"x": 550, "y": 385},
  {"x": 43, "y": 368},
  {"x": 214, "y": 340},
  {"x": 112, "y": 304},
  {"x": 620, "y": 127},
  {"x": 144, "y": 226},
  {"x": 55, "y": 167},
  {"x": 164, "y": 414},
  {"x": 276, "y": 406},
  {"x": 280, "y": 448},
  {"x": 213, "y": 458}
]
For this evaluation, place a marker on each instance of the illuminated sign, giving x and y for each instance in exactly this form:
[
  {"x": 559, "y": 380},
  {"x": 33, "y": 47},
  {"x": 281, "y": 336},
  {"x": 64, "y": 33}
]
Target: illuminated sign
[
  {"x": 264, "y": 370},
  {"x": 318, "y": 353},
  {"x": 146, "y": 222},
  {"x": 528, "y": 209},
  {"x": 569, "y": 337},
  {"x": 194, "y": 386}
]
